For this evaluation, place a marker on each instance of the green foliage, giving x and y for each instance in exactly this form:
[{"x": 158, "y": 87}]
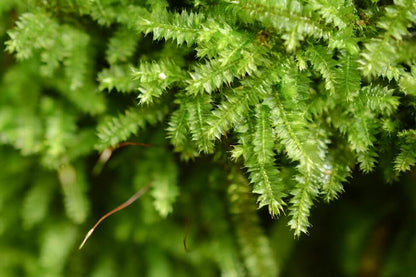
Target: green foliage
[
  {"x": 56, "y": 44},
  {"x": 406, "y": 158},
  {"x": 119, "y": 128},
  {"x": 73, "y": 189},
  {"x": 162, "y": 176},
  {"x": 255, "y": 247},
  {"x": 37, "y": 200},
  {"x": 284, "y": 99},
  {"x": 155, "y": 78}
]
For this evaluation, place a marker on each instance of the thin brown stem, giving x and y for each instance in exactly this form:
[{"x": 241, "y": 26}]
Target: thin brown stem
[
  {"x": 136, "y": 196},
  {"x": 108, "y": 152},
  {"x": 122, "y": 144}
]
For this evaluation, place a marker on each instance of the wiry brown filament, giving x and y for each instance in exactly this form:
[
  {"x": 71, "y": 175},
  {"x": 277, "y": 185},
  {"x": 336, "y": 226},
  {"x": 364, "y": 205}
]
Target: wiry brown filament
[
  {"x": 136, "y": 196},
  {"x": 106, "y": 154},
  {"x": 122, "y": 144}
]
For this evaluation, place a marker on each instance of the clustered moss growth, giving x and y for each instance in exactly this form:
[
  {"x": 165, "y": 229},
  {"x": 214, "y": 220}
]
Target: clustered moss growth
[{"x": 280, "y": 100}]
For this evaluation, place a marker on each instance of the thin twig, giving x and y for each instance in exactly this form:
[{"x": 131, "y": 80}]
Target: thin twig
[
  {"x": 122, "y": 206},
  {"x": 122, "y": 144},
  {"x": 106, "y": 154}
]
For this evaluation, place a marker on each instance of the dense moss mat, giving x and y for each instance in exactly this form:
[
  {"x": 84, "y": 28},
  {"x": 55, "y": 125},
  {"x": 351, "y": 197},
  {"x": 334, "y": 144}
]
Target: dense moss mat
[{"x": 247, "y": 120}]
